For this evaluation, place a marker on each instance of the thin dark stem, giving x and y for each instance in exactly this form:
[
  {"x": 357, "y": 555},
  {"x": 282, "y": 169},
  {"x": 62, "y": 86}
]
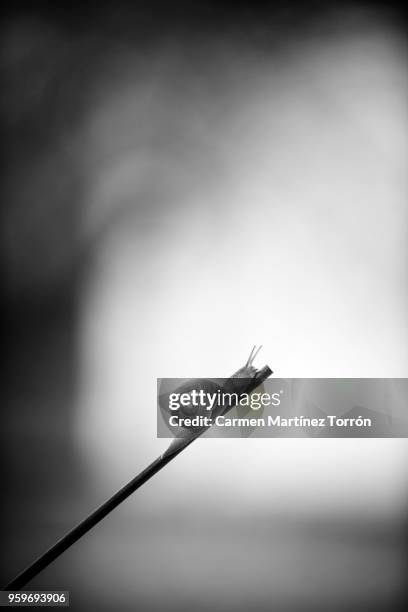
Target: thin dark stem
[
  {"x": 90, "y": 521},
  {"x": 77, "y": 532}
]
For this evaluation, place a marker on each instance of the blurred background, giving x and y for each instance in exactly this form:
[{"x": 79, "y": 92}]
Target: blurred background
[{"x": 181, "y": 182}]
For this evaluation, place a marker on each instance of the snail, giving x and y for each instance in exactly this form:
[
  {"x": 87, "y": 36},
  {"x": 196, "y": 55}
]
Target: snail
[{"x": 208, "y": 389}]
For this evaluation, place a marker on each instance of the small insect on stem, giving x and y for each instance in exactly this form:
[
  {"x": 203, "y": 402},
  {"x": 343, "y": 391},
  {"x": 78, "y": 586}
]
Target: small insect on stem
[{"x": 253, "y": 379}]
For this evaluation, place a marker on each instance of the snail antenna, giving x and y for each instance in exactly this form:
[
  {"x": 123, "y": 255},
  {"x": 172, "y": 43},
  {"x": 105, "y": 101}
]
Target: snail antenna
[{"x": 250, "y": 356}]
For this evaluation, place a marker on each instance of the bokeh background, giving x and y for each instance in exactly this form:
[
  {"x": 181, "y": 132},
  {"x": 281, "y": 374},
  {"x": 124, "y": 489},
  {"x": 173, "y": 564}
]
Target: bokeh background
[{"x": 182, "y": 181}]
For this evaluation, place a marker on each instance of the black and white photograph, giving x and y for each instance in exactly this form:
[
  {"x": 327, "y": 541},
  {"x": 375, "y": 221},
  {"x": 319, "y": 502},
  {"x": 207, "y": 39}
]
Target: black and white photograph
[{"x": 204, "y": 255}]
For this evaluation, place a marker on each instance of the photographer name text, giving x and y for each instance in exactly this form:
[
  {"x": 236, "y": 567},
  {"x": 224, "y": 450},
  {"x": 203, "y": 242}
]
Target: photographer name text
[{"x": 270, "y": 421}]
